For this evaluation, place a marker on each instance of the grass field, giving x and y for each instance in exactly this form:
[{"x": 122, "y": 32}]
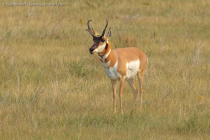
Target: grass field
[{"x": 52, "y": 88}]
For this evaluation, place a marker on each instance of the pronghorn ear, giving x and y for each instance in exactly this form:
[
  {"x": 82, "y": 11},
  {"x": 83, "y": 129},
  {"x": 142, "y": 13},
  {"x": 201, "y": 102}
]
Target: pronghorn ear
[{"x": 109, "y": 33}]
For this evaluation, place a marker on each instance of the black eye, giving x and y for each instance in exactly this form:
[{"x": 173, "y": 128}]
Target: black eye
[{"x": 102, "y": 40}]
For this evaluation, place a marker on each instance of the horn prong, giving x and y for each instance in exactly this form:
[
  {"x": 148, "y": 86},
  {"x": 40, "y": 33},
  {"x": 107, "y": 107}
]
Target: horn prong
[{"x": 90, "y": 30}]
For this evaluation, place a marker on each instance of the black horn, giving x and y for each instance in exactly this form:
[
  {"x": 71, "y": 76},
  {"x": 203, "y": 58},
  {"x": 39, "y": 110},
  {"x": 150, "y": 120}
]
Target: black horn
[
  {"x": 88, "y": 24},
  {"x": 89, "y": 30},
  {"x": 104, "y": 29}
]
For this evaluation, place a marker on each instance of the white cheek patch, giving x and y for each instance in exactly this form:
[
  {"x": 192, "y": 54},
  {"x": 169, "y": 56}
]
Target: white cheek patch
[{"x": 100, "y": 48}]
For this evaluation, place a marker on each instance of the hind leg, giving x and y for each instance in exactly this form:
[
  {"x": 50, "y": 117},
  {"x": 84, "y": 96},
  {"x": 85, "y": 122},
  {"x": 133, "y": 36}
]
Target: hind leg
[
  {"x": 140, "y": 79},
  {"x": 122, "y": 80},
  {"x": 135, "y": 91}
]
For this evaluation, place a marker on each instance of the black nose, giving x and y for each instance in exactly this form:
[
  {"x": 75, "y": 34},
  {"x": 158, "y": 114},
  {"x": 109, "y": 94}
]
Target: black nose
[{"x": 91, "y": 51}]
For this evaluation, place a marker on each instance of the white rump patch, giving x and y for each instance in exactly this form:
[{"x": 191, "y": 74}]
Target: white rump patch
[
  {"x": 100, "y": 48},
  {"x": 132, "y": 69},
  {"x": 112, "y": 72}
]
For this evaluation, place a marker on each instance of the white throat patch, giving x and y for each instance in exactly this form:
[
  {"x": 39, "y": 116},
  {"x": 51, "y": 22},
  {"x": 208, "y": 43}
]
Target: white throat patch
[
  {"x": 100, "y": 48},
  {"x": 105, "y": 56}
]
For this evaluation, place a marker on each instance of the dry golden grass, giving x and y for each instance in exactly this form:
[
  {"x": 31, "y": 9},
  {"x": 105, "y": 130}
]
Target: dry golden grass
[{"x": 52, "y": 88}]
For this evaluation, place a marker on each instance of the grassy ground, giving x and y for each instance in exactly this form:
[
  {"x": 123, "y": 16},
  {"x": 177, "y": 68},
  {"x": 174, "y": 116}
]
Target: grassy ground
[{"x": 52, "y": 88}]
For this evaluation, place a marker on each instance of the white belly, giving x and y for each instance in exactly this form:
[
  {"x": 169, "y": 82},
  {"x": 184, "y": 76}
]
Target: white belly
[
  {"x": 132, "y": 69},
  {"x": 112, "y": 72}
]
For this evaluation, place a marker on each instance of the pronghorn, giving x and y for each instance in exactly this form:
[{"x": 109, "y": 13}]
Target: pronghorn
[{"x": 119, "y": 64}]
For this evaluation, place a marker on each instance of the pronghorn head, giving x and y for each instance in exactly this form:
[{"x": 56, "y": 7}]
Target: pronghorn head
[{"x": 100, "y": 41}]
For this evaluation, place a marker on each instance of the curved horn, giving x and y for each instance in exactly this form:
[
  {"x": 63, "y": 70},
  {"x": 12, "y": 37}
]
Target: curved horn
[
  {"x": 104, "y": 29},
  {"x": 88, "y": 24},
  {"x": 89, "y": 30}
]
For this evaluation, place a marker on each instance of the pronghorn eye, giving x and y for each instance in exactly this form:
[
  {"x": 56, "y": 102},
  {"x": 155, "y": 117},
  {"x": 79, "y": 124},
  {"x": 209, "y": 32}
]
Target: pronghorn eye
[{"x": 102, "y": 40}]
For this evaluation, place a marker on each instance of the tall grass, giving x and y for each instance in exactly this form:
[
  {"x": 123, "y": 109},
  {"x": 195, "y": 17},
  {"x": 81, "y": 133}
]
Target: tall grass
[{"x": 52, "y": 88}]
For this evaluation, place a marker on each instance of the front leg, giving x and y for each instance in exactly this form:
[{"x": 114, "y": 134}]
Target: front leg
[
  {"x": 122, "y": 80},
  {"x": 114, "y": 94}
]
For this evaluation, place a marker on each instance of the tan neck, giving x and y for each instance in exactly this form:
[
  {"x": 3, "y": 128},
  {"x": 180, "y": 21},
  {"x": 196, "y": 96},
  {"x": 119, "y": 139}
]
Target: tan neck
[{"x": 108, "y": 55}]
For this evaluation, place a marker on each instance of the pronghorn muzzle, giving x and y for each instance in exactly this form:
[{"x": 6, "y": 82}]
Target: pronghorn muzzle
[
  {"x": 91, "y": 50},
  {"x": 95, "y": 46}
]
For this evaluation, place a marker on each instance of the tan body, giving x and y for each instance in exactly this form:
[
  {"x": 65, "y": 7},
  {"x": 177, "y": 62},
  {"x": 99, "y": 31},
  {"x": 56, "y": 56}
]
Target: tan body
[
  {"x": 119, "y": 64},
  {"x": 124, "y": 56}
]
